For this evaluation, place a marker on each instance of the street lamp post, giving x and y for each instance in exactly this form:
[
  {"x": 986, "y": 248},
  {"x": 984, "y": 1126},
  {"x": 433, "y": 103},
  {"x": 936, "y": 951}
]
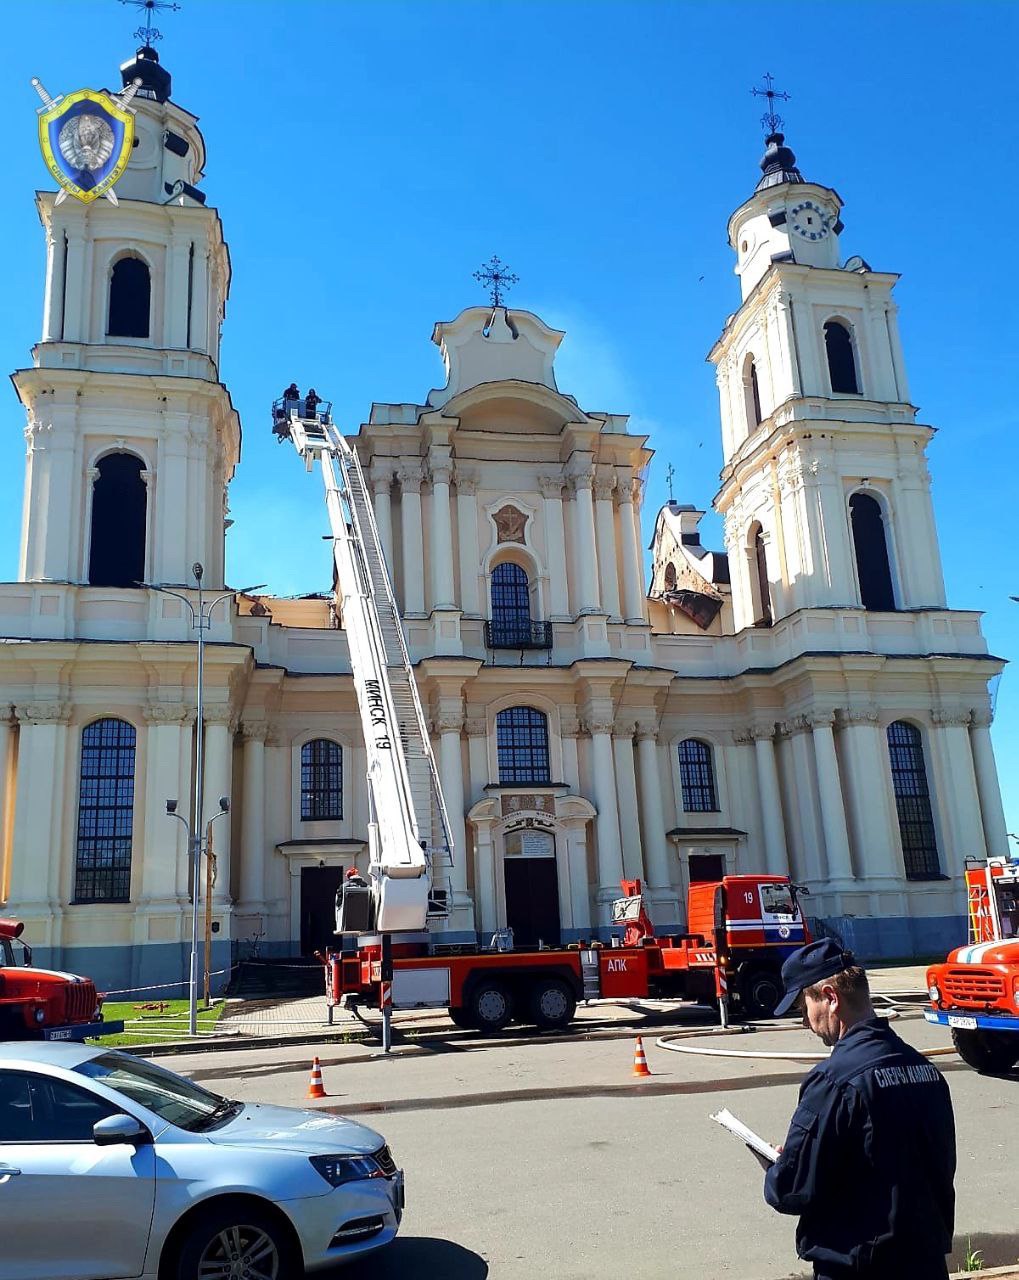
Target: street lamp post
[{"x": 201, "y": 620}]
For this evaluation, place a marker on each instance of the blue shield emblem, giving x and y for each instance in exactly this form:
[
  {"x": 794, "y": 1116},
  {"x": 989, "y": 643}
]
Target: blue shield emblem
[{"x": 86, "y": 139}]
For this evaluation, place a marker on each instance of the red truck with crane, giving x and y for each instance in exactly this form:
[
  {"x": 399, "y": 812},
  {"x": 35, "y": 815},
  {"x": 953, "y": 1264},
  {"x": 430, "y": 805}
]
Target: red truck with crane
[
  {"x": 42, "y": 1004},
  {"x": 739, "y": 930},
  {"x": 975, "y": 993}
]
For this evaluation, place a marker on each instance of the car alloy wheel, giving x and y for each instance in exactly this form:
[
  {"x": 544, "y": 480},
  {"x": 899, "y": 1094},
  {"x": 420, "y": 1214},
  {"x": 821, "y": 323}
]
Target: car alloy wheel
[{"x": 240, "y": 1253}]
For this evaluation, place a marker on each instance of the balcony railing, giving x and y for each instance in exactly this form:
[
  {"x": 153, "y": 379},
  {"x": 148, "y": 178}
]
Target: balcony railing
[{"x": 517, "y": 634}]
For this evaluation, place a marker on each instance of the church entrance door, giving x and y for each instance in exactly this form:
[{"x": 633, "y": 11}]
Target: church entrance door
[
  {"x": 318, "y": 907},
  {"x": 532, "y": 888}
]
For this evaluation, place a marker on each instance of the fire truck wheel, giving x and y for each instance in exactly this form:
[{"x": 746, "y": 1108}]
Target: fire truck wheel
[
  {"x": 759, "y": 991},
  {"x": 551, "y": 1004},
  {"x": 992, "y": 1053},
  {"x": 490, "y": 1007}
]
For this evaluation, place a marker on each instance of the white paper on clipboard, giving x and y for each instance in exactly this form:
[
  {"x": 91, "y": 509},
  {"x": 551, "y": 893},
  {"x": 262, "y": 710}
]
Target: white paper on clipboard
[{"x": 739, "y": 1130}]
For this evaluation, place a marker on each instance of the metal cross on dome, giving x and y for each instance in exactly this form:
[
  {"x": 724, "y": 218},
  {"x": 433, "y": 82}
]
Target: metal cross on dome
[
  {"x": 668, "y": 476},
  {"x": 148, "y": 33},
  {"x": 772, "y": 122},
  {"x": 495, "y": 277}
]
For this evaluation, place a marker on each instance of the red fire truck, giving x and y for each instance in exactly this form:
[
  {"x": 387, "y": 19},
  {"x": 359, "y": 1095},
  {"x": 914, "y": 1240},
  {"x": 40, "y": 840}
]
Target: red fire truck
[
  {"x": 740, "y": 929},
  {"x": 40, "y": 1004},
  {"x": 976, "y": 991}
]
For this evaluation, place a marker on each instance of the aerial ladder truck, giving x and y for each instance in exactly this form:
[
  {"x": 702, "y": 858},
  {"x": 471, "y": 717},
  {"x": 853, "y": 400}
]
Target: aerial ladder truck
[
  {"x": 409, "y": 846},
  {"x": 740, "y": 928}
]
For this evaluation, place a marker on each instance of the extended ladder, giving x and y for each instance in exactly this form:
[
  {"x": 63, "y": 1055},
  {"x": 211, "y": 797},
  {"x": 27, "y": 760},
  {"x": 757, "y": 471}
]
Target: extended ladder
[{"x": 409, "y": 842}]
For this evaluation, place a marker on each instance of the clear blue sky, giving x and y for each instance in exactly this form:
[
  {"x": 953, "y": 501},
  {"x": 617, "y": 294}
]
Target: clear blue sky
[{"x": 366, "y": 157}]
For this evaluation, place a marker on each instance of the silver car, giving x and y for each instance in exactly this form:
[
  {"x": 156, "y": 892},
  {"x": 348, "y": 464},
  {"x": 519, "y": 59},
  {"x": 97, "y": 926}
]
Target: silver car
[{"x": 111, "y": 1167}]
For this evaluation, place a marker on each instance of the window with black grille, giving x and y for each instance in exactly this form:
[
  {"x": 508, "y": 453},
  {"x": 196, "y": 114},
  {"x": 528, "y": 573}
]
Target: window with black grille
[
  {"x": 913, "y": 802},
  {"x": 511, "y": 606},
  {"x": 321, "y": 780},
  {"x": 102, "y": 869},
  {"x": 521, "y": 735},
  {"x": 697, "y": 776}
]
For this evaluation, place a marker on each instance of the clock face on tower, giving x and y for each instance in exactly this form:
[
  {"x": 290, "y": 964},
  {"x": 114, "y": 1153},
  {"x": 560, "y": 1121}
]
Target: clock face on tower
[{"x": 809, "y": 220}]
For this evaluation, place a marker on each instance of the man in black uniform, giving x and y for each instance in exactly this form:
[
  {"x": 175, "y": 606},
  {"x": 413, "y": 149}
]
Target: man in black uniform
[{"x": 869, "y": 1163}]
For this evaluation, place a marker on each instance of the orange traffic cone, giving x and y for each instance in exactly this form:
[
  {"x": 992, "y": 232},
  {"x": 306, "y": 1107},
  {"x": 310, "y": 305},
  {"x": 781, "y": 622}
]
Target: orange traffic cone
[
  {"x": 315, "y": 1087},
  {"x": 640, "y": 1067}
]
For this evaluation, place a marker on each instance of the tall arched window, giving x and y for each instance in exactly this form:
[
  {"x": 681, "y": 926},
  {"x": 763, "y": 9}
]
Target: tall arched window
[
  {"x": 102, "y": 866},
  {"x": 130, "y": 299},
  {"x": 521, "y": 736},
  {"x": 913, "y": 802},
  {"x": 763, "y": 616},
  {"x": 752, "y": 394},
  {"x": 670, "y": 577},
  {"x": 838, "y": 345},
  {"x": 321, "y": 781},
  {"x": 871, "y": 546},
  {"x": 511, "y": 606},
  {"x": 697, "y": 776},
  {"x": 117, "y": 542}
]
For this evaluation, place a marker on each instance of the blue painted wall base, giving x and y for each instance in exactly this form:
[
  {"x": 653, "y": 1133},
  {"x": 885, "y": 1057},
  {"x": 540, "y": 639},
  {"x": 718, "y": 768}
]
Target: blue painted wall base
[{"x": 895, "y": 937}]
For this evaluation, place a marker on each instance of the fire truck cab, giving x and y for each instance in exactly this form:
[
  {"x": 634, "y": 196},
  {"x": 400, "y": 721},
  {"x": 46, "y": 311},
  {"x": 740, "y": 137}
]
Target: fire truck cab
[
  {"x": 42, "y": 1004},
  {"x": 975, "y": 993}
]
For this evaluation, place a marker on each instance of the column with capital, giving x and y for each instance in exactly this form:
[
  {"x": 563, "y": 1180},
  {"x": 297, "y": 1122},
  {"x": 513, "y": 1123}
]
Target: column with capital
[
  {"x": 605, "y": 536},
  {"x": 633, "y": 562},
  {"x": 467, "y": 529},
  {"x": 448, "y": 724},
  {"x": 873, "y": 825},
  {"x": 199, "y": 317},
  {"x": 219, "y": 743},
  {"x": 412, "y": 541},
  {"x": 555, "y": 541},
  {"x": 598, "y": 725},
  {"x": 569, "y": 729},
  {"x": 955, "y": 796},
  {"x": 47, "y": 539},
  {"x": 656, "y": 849},
  {"x": 6, "y": 739},
  {"x": 803, "y": 829},
  {"x": 775, "y": 852},
  {"x": 833, "y": 810},
  {"x": 626, "y": 795},
  {"x": 382, "y": 484},
  {"x": 441, "y": 549},
  {"x": 164, "y": 842},
  {"x": 253, "y": 849},
  {"x": 41, "y": 796},
  {"x": 988, "y": 787},
  {"x": 175, "y": 313},
  {"x": 584, "y": 556},
  {"x": 167, "y": 501},
  {"x": 76, "y": 290}
]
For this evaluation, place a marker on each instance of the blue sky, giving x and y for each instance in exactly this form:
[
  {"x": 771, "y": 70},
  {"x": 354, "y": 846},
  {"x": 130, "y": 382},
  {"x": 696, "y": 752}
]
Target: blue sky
[{"x": 367, "y": 157}]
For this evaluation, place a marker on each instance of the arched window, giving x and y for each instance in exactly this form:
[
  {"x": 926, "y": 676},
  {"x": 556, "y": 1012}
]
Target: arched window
[
  {"x": 117, "y": 543},
  {"x": 763, "y": 616},
  {"x": 871, "y": 546},
  {"x": 102, "y": 867},
  {"x": 670, "y": 577},
  {"x": 511, "y": 606},
  {"x": 913, "y": 802},
  {"x": 130, "y": 299},
  {"x": 838, "y": 344},
  {"x": 752, "y": 394},
  {"x": 321, "y": 781},
  {"x": 521, "y": 736},
  {"x": 697, "y": 776}
]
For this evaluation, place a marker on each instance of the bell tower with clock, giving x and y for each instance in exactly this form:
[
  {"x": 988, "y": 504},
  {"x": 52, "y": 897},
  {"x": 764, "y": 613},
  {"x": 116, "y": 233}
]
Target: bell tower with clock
[{"x": 825, "y": 490}]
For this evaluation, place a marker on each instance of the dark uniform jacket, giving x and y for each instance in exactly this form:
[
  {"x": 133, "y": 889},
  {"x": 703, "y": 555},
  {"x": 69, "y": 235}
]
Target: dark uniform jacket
[{"x": 869, "y": 1163}]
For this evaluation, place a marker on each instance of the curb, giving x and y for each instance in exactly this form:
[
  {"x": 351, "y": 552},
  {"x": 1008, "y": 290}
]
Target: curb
[{"x": 455, "y": 1038}]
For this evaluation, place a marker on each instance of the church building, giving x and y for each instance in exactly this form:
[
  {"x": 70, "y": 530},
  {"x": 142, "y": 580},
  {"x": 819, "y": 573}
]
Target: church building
[{"x": 804, "y": 702}]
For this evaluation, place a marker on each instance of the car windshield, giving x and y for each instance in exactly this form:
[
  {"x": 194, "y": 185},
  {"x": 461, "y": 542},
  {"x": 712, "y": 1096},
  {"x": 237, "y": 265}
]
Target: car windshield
[{"x": 173, "y": 1099}]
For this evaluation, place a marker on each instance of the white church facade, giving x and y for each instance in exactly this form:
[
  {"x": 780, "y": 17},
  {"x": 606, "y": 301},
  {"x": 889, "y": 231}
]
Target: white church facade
[{"x": 804, "y": 702}]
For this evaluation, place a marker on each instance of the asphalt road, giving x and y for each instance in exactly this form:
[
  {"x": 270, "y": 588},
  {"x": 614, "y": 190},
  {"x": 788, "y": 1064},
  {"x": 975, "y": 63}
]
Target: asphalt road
[{"x": 548, "y": 1159}]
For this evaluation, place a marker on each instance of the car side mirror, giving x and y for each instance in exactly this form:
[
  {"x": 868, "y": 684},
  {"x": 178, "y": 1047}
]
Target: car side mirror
[{"x": 120, "y": 1128}]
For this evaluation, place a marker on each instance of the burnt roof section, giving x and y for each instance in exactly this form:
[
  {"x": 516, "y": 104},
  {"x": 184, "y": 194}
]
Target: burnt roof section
[{"x": 778, "y": 164}]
